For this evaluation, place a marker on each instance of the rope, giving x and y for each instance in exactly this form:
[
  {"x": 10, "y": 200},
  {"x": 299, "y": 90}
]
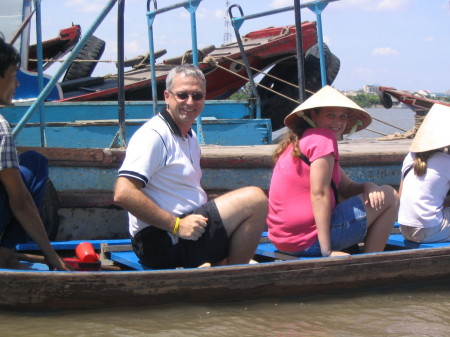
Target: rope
[
  {"x": 59, "y": 60},
  {"x": 213, "y": 62},
  {"x": 269, "y": 75},
  {"x": 396, "y": 127}
]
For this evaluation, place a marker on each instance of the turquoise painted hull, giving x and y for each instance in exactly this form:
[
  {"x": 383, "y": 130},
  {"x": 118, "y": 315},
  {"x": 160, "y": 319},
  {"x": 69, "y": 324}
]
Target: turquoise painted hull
[{"x": 94, "y": 124}]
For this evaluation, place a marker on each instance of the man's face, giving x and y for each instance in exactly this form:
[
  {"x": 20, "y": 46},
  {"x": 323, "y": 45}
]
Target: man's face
[
  {"x": 8, "y": 85},
  {"x": 185, "y": 101}
]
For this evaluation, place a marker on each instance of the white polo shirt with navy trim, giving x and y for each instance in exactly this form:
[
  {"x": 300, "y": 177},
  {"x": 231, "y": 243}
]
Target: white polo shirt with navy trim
[{"x": 168, "y": 165}]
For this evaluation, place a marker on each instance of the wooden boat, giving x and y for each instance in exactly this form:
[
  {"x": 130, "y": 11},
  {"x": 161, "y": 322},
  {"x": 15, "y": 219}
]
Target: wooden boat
[
  {"x": 264, "y": 48},
  {"x": 50, "y": 290},
  {"x": 52, "y": 50},
  {"x": 84, "y": 178},
  {"x": 224, "y": 71},
  {"x": 55, "y": 48},
  {"x": 416, "y": 102}
]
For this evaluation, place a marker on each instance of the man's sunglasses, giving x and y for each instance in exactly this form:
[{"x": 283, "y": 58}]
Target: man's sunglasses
[{"x": 196, "y": 96}]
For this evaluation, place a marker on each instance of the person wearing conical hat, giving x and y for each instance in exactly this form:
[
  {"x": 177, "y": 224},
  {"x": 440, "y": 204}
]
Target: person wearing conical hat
[
  {"x": 424, "y": 214},
  {"x": 305, "y": 218}
]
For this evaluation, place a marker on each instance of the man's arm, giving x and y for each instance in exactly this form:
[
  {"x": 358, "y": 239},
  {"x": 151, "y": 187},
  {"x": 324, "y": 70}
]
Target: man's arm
[
  {"x": 128, "y": 195},
  {"x": 26, "y": 212}
]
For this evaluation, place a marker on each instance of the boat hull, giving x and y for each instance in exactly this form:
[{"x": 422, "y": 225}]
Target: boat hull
[
  {"x": 416, "y": 102},
  {"x": 81, "y": 290}
]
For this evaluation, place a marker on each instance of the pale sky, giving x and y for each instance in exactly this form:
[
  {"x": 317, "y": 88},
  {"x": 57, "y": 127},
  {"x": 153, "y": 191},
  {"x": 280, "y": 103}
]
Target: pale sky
[{"x": 400, "y": 43}]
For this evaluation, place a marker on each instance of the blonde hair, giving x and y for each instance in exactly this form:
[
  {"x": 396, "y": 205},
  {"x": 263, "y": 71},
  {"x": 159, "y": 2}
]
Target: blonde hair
[
  {"x": 293, "y": 136},
  {"x": 420, "y": 161}
]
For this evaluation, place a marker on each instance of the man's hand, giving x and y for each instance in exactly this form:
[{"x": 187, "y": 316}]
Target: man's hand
[{"x": 192, "y": 227}]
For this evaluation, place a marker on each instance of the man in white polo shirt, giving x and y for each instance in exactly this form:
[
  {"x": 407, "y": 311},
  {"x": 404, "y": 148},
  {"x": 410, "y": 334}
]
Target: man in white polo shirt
[{"x": 171, "y": 222}]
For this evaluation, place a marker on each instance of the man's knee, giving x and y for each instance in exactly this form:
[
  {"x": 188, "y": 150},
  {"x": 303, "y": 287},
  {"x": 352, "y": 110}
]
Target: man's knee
[
  {"x": 256, "y": 195},
  {"x": 33, "y": 168},
  {"x": 34, "y": 161}
]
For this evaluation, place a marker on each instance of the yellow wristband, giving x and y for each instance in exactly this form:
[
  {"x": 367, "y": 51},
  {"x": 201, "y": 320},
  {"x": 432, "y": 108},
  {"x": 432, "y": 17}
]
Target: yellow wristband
[{"x": 177, "y": 225}]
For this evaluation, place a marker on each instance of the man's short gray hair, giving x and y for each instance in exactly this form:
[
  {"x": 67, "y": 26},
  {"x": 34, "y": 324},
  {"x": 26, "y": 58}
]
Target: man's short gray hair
[{"x": 188, "y": 70}]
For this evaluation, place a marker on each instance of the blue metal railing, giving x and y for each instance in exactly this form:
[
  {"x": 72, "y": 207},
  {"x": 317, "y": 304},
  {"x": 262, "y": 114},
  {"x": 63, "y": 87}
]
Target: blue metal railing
[
  {"x": 316, "y": 6},
  {"x": 46, "y": 91},
  {"x": 191, "y": 6}
]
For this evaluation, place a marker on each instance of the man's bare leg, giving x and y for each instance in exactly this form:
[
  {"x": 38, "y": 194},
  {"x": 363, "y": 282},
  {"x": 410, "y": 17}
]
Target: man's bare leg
[{"x": 243, "y": 213}]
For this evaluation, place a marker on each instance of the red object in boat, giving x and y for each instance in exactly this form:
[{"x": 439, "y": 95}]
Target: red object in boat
[
  {"x": 77, "y": 265},
  {"x": 87, "y": 259}
]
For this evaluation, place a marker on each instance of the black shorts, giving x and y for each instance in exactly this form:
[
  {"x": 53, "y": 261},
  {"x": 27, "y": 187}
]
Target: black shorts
[{"x": 155, "y": 250}]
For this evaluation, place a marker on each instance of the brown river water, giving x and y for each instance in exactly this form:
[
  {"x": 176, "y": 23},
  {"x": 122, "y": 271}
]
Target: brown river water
[{"x": 400, "y": 312}]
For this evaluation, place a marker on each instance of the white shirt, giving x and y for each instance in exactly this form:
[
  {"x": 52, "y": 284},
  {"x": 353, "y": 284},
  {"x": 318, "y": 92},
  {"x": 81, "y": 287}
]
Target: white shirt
[
  {"x": 169, "y": 166},
  {"x": 421, "y": 202}
]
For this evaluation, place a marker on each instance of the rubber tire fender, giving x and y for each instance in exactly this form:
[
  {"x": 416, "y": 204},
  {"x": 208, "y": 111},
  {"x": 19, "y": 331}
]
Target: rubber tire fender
[
  {"x": 277, "y": 107},
  {"x": 48, "y": 210},
  {"x": 385, "y": 99},
  {"x": 93, "y": 50}
]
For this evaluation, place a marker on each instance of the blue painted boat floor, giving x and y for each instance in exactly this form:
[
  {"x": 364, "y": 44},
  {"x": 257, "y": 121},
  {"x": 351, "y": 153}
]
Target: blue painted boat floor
[
  {"x": 264, "y": 249},
  {"x": 395, "y": 240},
  {"x": 398, "y": 240}
]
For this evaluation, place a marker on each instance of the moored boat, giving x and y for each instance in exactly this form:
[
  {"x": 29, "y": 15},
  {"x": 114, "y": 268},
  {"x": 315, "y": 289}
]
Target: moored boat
[
  {"x": 415, "y": 101},
  {"x": 225, "y": 72}
]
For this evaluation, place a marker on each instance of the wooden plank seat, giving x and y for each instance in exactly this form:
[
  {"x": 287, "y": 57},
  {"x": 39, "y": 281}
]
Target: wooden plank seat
[
  {"x": 127, "y": 258},
  {"x": 397, "y": 239},
  {"x": 267, "y": 249}
]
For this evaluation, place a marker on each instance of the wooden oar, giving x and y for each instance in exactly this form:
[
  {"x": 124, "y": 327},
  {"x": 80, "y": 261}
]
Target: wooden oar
[{"x": 31, "y": 258}]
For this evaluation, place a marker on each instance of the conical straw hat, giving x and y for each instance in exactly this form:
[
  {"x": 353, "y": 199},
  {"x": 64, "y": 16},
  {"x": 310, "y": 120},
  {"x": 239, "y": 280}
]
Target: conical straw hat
[
  {"x": 328, "y": 97},
  {"x": 434, "y": 133}
]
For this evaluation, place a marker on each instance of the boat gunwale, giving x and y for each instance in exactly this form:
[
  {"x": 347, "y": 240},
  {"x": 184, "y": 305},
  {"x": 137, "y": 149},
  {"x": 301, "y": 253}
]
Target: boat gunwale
[
  {"x": 244, "y": 157},
  {"x": 288, "y": 265},
  {"x": 74, "y": 290}
]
